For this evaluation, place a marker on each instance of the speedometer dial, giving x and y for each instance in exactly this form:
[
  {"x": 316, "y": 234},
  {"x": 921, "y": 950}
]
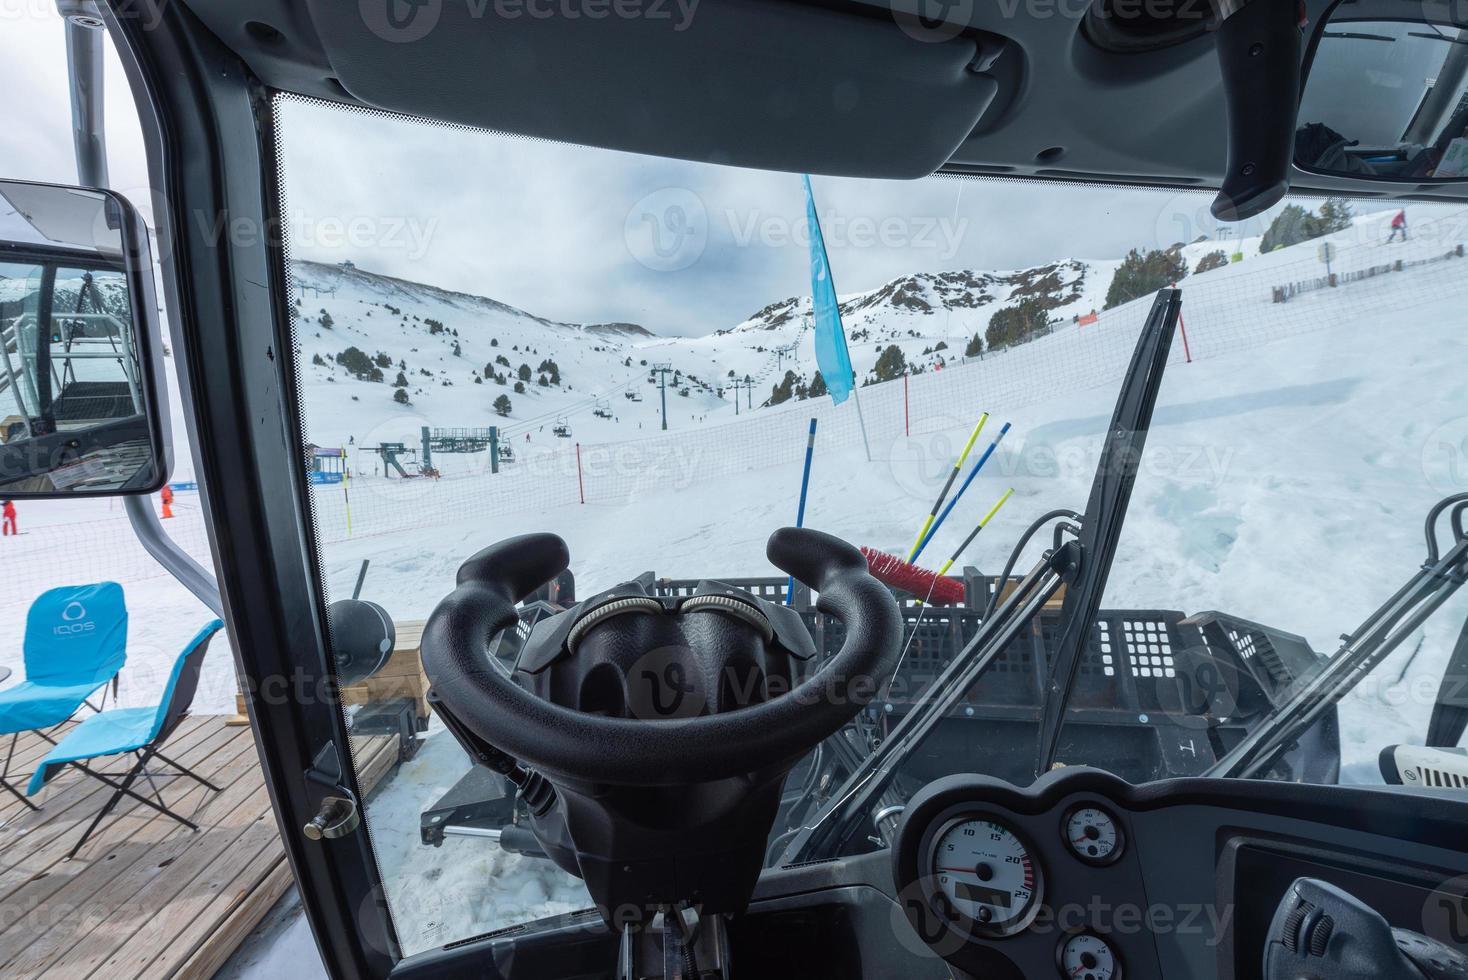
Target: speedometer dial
[{"x": 987, "y": 874}]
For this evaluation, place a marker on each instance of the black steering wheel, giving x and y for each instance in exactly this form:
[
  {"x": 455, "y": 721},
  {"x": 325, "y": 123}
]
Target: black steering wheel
[{"x": 664, "y": 752}]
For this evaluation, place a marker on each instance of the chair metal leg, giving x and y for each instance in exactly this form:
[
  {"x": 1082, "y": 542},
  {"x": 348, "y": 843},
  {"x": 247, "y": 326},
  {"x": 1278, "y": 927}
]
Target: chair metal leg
[
  {"x": 18, "y": 795},
  {"x": 125, "y": 789},
  {"x": 5, "y": 771},
  {"x": 111, "y": 802},
  {"x": 185, "y": 771},
  {"x": 148, "y": 775}
]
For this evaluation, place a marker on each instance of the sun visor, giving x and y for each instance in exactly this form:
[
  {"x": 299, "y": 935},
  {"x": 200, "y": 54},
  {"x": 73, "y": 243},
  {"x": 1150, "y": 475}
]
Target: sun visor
[{"x": 752, "y": 83}]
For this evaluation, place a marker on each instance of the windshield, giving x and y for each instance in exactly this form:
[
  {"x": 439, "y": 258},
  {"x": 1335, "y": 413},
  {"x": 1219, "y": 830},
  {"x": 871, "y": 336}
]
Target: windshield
[{"x": 621, "y": 350}]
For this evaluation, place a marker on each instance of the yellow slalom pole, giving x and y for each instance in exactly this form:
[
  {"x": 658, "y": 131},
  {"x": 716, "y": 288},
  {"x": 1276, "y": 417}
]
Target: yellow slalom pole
[
  {"x": 957, "y": 466},
  {"x": 347, "y": 489},
  {"x": 975, "y": 532}
]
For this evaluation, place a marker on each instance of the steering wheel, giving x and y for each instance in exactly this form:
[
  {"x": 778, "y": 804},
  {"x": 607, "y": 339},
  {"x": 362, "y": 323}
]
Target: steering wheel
[{"x": 664, "y": 752}]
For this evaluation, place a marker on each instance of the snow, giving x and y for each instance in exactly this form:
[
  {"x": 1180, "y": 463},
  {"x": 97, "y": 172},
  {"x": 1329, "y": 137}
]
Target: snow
[
  {"x": 467, "y": 885},
  {"x": 1295, "y": 450},
  {"x": 280, "y": 946}
]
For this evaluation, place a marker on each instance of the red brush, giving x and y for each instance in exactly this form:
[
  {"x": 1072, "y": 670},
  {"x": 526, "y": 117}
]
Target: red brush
[{"x": 898, "y": 574}]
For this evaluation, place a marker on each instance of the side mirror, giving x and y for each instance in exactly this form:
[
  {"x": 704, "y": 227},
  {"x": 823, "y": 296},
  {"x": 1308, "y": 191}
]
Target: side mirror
[
  {"x": 1385, "y": 89},
  {"x": 82, "y": 410}
]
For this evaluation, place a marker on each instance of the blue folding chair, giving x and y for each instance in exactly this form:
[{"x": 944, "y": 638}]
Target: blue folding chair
[
  {"x": 75, "y": 643},
  {"x": 136, "y": 730}
]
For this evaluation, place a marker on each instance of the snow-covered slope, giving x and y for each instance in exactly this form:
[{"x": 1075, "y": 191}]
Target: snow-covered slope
[{"x": 458, "y": 353}]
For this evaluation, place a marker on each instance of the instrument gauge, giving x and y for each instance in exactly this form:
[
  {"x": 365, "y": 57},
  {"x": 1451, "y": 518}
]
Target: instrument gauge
[
  {"x": 986, "y": 874},
  {"x": 1087, "y": 957},
  {"x": 1093, "y": 835}
]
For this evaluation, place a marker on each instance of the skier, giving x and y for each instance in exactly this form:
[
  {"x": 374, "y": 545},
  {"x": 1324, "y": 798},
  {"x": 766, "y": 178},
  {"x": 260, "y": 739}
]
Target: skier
[
  {"x": 167, "y": 494},
  {"x": 7, "y": 519},
  {"x": 1399, "y": 224},
  {"x": 527, "y": 437}
]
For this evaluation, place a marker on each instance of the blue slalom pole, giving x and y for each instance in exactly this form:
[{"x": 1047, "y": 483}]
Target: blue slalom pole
[
  {"x": 810, "y": 446},
  {"x": 957, "y": 496}
]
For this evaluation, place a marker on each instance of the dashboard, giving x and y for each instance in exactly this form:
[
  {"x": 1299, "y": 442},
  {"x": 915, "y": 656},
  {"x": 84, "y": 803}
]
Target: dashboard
[{"x": 1083, "y": 876}]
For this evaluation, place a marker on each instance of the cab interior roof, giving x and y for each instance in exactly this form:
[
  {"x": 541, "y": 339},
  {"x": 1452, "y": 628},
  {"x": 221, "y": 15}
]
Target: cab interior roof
[{"x": 1020, "y": 88}]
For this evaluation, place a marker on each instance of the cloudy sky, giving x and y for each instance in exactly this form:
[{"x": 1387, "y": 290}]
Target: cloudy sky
[
  {"x": 589, "y": 235},
  {"x": 585, "y": 235}
]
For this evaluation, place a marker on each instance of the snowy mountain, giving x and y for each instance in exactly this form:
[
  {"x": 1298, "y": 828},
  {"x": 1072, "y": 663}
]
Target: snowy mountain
[
  {"x": 452, "y": 354},
  {"x": 385, "y": 356}
]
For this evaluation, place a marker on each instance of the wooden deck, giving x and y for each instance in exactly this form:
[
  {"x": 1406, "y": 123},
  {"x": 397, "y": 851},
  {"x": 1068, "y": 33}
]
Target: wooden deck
[{"x": 146, "y": 897}]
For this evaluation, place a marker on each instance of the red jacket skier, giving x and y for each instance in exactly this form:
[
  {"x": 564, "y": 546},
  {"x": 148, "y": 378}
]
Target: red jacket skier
[
  {"x": 1399, "y": 226},
  {"x": 7, "y": 519}
]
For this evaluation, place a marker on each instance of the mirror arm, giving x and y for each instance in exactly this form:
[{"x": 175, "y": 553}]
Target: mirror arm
[
  {"x": 1258, "y": 44},
  {"x": 84, "y": 64},
  {"x": 84, "y": 54},
  {"x": 179, "y": 563}
]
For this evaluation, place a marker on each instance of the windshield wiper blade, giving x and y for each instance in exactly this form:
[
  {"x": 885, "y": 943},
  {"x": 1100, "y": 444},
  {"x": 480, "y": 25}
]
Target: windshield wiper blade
[
  {"x": 1436, "y": 37},
  {"x": 852, "y": 799},
  {"x": 1364, "y": 648},
  {"x": 1111, "y": 493},
  {"x": 1357, "y": 36}
]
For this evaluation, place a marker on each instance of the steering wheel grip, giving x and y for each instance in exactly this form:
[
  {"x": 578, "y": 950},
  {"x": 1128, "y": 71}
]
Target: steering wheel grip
[{"x": 627, "y": 751}]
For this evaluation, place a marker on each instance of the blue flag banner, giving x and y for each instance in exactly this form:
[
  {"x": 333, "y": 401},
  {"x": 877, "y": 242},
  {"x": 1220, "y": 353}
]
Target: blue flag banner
[{"x": 832, "y": 356}]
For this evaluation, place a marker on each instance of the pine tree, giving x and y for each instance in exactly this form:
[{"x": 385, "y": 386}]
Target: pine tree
[
  {"x": 1290, "y": 227},
  {"x": 974, "y": 348},
  {"x": 1143, "y": 273},
  {"x": 1335, "y": 215},
  {"x": 355, "y": 360},
  {"x": 1216, "y": 259},
  {"x": 400, "y": 396},
  {"x": 1017, "y": 324},
  {"x": 502, "y": 405},
  {"x": 891, "y": 364},
  {"x": 783, "y": 391}
]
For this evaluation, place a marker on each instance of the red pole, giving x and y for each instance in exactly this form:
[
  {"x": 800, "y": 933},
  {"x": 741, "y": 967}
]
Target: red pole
[
  {"x": 1183, "y": 328},
  {"x": 580, "y": 485},
  {"x": 906, "y": 414}
]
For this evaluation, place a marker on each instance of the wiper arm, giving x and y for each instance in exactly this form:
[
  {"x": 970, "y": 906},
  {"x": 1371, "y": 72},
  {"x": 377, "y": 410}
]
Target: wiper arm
[
  {"x": 1111, "y": 494},
  {"x": 1364, "y": 648},
  {"x": 856, "y": 794}
]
